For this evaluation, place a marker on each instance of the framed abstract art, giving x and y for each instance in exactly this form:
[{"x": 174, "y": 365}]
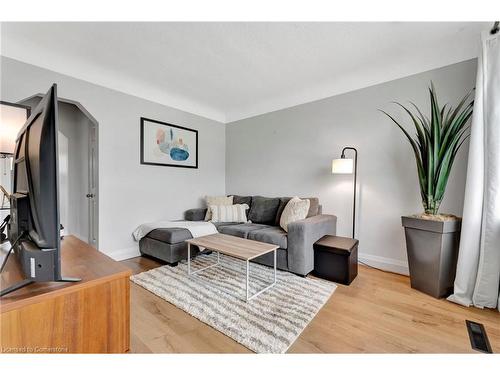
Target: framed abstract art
[{"x": 168, "y": 145}]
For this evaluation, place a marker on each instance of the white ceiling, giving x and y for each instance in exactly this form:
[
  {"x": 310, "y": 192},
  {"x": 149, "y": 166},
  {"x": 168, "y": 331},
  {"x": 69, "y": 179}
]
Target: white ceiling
[{"x": 229, "y": 71}]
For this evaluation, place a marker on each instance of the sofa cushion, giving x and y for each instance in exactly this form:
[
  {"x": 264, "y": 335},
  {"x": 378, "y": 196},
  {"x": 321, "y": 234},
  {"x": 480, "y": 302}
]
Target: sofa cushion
[
  {"x": 220, "y": 225},
  {"x": 170, "y": 235},
  {"x": 195, "y": 214},
  {"x": 263, "y": 210},
  {"x": 241, "y": 230},
  {"x": 313, "y": 207},
  {"x": 281, "y": 207},
  {"x": 240, "y": 199},
  {"x": 273, "y": 235}
]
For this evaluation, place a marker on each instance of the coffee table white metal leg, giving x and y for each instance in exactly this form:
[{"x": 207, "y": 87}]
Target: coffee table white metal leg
[
  {"x": 189, "y": 258},
  {"x": 201, "y": 269},
  {"x": 248, "y": 280}
]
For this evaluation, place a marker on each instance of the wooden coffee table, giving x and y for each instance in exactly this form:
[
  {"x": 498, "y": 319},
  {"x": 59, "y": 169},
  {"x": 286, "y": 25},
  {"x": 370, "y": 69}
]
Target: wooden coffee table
[{"x": 235, "y": 247}]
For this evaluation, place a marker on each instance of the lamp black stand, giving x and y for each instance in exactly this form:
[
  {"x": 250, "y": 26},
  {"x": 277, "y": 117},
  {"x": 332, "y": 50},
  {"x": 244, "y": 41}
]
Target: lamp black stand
[{"x": 355, "y": 178}]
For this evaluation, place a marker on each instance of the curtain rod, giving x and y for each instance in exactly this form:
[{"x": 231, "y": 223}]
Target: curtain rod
[{"x": 495, "y": 28}]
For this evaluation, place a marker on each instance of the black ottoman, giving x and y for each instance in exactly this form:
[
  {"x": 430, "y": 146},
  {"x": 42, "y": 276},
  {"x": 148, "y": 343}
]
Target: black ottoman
[{"x": 336, "y": 259}]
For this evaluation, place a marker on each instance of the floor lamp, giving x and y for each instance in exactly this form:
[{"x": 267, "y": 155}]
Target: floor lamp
[{"x": 348, "y": 166}]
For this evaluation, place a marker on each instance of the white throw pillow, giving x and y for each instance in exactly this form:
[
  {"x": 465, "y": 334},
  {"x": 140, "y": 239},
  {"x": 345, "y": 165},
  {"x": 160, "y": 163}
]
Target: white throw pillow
[
  {"x": 295, "y": 209},
  {"x": 229, "y": 214},
  {"x": 217, "y": 201}
]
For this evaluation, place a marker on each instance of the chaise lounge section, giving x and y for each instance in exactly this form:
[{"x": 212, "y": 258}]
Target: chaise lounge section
[{"x": 295, "y": 253}]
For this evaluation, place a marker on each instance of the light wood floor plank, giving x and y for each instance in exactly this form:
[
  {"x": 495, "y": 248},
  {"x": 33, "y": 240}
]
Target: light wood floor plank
[{"x": 377, "y": 313}]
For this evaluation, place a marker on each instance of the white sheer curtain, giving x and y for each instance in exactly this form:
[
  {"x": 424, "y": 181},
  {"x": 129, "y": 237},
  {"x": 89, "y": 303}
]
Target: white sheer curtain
[{"x": 478, "y": 270}]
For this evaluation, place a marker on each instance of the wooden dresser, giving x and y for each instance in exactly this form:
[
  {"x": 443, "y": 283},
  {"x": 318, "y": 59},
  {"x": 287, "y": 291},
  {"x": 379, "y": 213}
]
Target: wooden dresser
[{"x": 90, "y": 316}]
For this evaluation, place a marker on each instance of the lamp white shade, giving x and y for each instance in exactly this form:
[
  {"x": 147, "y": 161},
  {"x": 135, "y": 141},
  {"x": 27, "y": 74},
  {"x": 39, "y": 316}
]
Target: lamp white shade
[
  {"x": 342, "y": 166},
  {"x": 12, "y": 120}
]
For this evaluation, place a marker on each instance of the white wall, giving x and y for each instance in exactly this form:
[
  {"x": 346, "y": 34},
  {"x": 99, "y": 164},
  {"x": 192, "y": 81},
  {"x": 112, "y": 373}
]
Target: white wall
[
  {"x": 289, "y": 152},
  {"x": 129, "y": 193}
]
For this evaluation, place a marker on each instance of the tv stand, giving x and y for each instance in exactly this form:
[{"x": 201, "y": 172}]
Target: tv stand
[
  {"x": 86, "y": 315},
  {"x": 69, "y": 280},
  {"x": 23, "y": 283},
  {"x": 16, "y": 286}
]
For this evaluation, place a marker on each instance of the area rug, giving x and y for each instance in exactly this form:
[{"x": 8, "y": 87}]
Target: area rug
[{"x": 269, "y": 323}]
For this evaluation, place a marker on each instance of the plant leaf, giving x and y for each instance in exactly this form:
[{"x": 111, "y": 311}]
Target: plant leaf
[{"x": 438, "y": 140}]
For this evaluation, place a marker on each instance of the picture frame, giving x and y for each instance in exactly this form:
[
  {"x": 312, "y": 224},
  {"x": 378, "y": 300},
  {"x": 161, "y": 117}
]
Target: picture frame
[{"x": 168, "y": 145}]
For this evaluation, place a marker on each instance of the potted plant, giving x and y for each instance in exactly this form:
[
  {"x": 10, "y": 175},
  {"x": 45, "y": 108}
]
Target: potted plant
[{"x": 432, "y": 239}]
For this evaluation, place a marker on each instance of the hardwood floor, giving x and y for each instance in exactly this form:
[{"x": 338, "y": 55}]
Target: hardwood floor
[{"x": 377, "y": 313}]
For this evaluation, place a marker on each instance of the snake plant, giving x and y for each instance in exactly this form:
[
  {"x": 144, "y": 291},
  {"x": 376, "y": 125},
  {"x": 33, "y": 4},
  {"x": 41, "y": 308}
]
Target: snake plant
[{"x": 436, "y": 144}]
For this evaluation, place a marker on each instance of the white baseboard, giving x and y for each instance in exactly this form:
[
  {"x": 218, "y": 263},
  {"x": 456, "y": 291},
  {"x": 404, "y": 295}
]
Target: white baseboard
[
  {"x": 65, "y": 233},
  {"x": 80, "y": 237},
  {"x": 386, "y": 264},
  {"x": 127, "y": 253}
]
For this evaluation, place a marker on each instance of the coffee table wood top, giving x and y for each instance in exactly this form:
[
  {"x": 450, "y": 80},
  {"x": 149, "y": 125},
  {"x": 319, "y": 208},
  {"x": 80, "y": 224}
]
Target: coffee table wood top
[{"x": 236, "y": 247}]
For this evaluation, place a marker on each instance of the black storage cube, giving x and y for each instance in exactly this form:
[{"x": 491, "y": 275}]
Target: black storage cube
[{"x": 336, "y": 259}]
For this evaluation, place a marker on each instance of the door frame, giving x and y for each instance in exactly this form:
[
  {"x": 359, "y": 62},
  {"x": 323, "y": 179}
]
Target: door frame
[{"x": 94, "y": 175}]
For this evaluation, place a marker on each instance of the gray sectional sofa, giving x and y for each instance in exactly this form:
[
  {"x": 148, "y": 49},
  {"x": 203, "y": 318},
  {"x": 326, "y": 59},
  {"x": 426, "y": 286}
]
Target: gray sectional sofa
[{"x": 296, "y": 247}]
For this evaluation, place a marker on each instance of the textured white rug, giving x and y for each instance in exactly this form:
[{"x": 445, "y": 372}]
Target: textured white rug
[{"x": 269, "y": 323}]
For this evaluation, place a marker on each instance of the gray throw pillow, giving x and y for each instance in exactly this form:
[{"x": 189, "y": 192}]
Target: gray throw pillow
[
  {"x": 241, "y": 199},
  {"x": 281, "y": 207},
  {"x": 263, "y": 210},
  {"x": 313, "y": 207}
]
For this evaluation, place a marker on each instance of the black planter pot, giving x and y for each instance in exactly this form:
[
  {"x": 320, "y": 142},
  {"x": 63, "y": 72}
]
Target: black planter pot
[{"x": 432, "y": 248}]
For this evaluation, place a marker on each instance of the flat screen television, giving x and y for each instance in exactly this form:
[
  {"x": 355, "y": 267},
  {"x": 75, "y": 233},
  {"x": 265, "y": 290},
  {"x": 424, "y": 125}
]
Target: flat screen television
[{"x": 34, "y": 227}]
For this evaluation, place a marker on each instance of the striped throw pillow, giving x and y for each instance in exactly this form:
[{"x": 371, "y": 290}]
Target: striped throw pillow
[
  {"x": 216, "y": 201},
  {"x": 229, "y": 214}
]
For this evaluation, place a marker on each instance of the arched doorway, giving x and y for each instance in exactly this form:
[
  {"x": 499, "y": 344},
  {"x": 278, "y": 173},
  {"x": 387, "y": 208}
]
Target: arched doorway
[{"x": 78, "y": 169}]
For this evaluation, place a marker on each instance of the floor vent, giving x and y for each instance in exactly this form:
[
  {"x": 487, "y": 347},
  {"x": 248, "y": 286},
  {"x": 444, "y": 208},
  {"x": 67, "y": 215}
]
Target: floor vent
[{"x": 478, "y": 338}]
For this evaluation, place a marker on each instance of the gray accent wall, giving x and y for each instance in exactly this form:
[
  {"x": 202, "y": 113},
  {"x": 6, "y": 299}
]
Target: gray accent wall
[
  {"x": 129, "y": 193},
  {"x": 289, "y": 152}
]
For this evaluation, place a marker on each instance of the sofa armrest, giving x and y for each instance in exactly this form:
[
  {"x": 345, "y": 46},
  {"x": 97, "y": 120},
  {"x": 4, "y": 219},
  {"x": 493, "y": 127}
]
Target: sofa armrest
[
  {"x": 195, "y": 214},
  {"x": 302, "y": 235}
]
